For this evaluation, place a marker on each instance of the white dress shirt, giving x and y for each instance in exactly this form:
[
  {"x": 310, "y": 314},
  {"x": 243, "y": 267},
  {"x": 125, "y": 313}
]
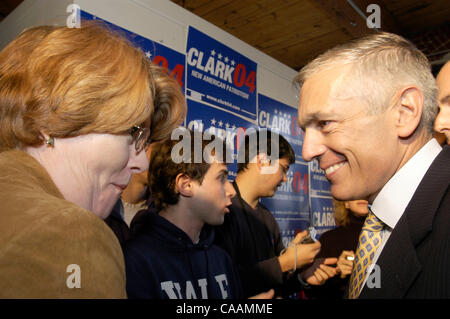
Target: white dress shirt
[{"x": 394, "y": 197}]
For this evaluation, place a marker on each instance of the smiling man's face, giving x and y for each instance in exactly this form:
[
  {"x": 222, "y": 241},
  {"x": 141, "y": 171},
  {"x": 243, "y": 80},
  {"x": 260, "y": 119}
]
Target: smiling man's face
[{"x": 357, "y": 150}]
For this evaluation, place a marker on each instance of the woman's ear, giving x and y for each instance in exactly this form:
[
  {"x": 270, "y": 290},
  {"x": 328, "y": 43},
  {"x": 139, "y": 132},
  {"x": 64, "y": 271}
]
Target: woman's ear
[
  {"x": 47, "y": 139},
  {"x": 184, "y": 185},
  {"x": 409, "y": 111}
]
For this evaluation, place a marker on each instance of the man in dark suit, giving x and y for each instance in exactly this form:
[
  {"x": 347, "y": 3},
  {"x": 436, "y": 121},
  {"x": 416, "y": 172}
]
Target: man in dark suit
[{"x": 367, "y": 109}]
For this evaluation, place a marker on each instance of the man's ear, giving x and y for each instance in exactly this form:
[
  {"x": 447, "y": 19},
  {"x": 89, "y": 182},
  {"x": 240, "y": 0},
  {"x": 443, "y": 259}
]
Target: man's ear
[
  {"x": 265, "y": 166},
  {"x": 262, "y": 160},
  {"x": 409, "y": 111},
  {"x": 184, "y": 185}
]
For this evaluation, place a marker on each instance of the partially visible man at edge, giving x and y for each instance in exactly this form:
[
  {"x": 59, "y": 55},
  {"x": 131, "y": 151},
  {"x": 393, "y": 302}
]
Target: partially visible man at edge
[{"x": 442, "y": 123}]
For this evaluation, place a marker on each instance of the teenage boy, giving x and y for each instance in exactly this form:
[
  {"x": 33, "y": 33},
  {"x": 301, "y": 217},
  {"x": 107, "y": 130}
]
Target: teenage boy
[{"x": 172, "y": 255}]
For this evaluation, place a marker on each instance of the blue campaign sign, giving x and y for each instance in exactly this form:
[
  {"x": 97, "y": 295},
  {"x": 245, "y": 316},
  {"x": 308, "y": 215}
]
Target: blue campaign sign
[
  {"x": 281, "y": 118},
  {"x": 159, "y": 54},
  {"x": 218, "y": 75},
  {"x": 319, "y": 184},
  {"x": 322, "y": 214},
  {"x": 289, "y": 205},
  {"x": 219, "y": 123}
]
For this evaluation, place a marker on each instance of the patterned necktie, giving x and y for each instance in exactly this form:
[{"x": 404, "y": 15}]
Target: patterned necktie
[{"x": 369, "y": 240}]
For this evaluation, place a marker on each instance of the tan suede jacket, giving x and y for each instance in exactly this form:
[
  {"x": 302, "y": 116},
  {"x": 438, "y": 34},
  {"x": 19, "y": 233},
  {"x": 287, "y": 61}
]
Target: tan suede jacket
[{"x": 49, "y": 247}]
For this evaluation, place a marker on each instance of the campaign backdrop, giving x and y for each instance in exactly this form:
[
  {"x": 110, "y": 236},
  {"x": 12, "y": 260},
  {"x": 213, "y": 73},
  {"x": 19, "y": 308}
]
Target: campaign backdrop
[
  {"x": 290, "y": 204},
  {"x": 218, "y": 75},
  {"x": 221, "y": 90},
  {"x": 159, "y": 54},
  {"x": 220, "y": 123}
]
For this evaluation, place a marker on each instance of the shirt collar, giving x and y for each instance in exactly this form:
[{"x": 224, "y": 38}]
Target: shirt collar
[{"x": 393, "y": 198}]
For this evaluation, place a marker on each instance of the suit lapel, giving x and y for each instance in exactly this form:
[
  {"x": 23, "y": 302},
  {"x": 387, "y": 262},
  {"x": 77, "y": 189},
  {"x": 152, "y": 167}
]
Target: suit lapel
[{"x": 398, "y": 262}]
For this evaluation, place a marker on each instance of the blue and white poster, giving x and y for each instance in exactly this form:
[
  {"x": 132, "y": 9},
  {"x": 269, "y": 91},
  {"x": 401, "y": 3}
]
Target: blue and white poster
[
  {"x": 282, "y": 119},
  {"x": 290, "y": 205},
  {"x": 159, "y": 54},
  {"x": 319, "y": 184},
  {"x": 222, "y": 124},
  {"x": 322, "y": 211},
  {"x": 322, "y": 214},
  {"x": 218, "y": 75}
]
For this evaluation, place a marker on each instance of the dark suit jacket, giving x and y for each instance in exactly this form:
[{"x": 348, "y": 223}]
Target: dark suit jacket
[{"x": 415, "y": 262}]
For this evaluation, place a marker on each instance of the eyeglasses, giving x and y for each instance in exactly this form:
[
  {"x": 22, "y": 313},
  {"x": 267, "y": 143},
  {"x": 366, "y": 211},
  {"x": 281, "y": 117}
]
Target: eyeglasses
[
  {"x": 141, "y": 137},
  {"x": 284, "y": 169}
]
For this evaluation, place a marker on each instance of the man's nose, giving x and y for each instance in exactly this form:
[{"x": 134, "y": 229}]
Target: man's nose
[
  {"x": 442, "y": 121},
  {"x": 312, "y": 145}
]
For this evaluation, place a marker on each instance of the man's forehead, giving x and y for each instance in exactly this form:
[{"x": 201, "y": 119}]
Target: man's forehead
[
  {"x": 321, "y": 94},
  {"x": 322, "y": 84}
]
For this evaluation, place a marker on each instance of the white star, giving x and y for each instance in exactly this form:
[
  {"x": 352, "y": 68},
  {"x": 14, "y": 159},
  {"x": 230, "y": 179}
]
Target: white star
[
  {"x": 233, "y": 63},
  {"x": 220, "y": 123},
  {"x": 213, "y": 121},
  {"x": 219, "y": 56},
  {"x": 226, "y": 59},
  {"x": 276, "y": 111},
  {"x": 233, "y": 127},
  {"x": 213, "y": 53},
  {"x": 227, "y": 125},
  {"x": 148, "y": 54}
]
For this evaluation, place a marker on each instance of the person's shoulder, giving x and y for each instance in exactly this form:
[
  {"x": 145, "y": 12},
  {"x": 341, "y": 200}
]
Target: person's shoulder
[
  {"x": 64, "y": 235},
  {"x": 264, "y": 210},
  {"x": 83, "y": 228}
]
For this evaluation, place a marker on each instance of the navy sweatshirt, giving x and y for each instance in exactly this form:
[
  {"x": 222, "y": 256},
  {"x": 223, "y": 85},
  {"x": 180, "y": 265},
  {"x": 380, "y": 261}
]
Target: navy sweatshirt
[{"x": 162, "y": 262}]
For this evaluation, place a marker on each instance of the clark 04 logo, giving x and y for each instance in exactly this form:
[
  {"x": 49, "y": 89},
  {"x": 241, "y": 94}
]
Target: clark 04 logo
[{"x": 222, "y": 67}]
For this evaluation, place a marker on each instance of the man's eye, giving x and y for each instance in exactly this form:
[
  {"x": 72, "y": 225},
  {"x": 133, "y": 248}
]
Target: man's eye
[{"x": 324, "y": 124}]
